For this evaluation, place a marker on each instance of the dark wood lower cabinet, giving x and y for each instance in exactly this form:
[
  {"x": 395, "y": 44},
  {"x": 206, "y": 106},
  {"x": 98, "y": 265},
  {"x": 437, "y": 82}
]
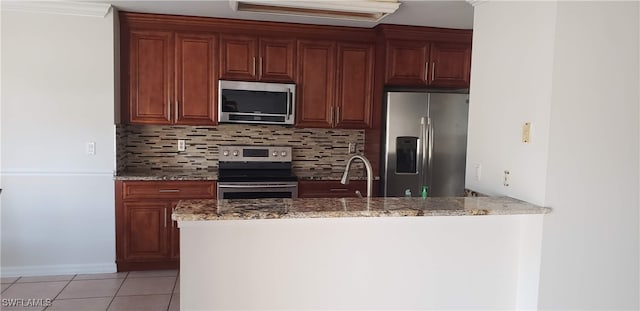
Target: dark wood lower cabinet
[
  {"x": 145, "y": 232},
  {"x": 333, "y": 189},
  {"x": 146, "y": 236}
]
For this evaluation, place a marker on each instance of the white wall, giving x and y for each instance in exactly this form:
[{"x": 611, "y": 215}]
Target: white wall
[
  {"x": 572, "y": 69},
  {"x": 510, "y": 85},
  {"x": 590, "y": 256},
  {"x": 410, "y": 263},
  {"x": 57, "y": 94}
]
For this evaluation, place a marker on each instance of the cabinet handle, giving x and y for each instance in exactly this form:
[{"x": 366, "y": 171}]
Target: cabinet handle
[
  {"x": 332, "y": 115},
  {"x": 165, "y": 217},
  {"x": 426, "y": 71},
  {"x": 260, "y": 67},
  {"x": 177, "y": 110},
  {"x": 433, "y": 71},
  {"x": 338, "y": 190},
  {"x": 169, "y": 110},
  {"x": 168, "y": 190},
  {"x": 337, "y": 114},
  {"x": 254, "y": 66}
]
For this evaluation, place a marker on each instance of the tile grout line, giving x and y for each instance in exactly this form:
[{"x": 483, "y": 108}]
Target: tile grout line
[
  {"x": 173, "y": 291},
  {"x": 116, "y": 293},
  {"x": 60, "y": 292},
  {"x": 10, "y": 284}
]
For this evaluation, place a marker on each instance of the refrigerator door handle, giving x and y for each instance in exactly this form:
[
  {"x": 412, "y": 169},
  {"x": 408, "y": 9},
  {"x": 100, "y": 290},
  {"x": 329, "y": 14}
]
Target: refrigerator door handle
[
  {"x": 422, "y": 151},
  {"x": 429, "y": 152}
]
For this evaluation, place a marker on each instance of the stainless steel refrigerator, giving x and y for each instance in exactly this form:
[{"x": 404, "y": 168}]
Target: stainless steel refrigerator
[{"x": 426, "y": 143}]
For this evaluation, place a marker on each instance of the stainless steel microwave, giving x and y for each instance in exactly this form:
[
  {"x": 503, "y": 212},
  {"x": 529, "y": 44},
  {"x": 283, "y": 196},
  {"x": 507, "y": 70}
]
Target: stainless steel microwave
[{"x": 256, "y": 102}]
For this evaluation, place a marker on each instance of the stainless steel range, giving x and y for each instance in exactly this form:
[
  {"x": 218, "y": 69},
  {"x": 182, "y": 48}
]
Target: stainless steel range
[{"x": 254, "y": 172}]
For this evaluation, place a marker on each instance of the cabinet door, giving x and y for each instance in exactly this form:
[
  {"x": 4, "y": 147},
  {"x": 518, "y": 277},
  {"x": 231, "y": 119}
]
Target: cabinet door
[
  {"x": 450, "y": 65},
  {"x": 406, "y": 63},
  {"x": 238, "y": 57},
  {"x": 145, "y": 230},
  {"x": 150, "y": 77},
  {"x": 195, "y": 79},
  {"x": 315, "y": 83},
  {"x": 276, "y": 62},
  {"x": 354, "y": 85}
]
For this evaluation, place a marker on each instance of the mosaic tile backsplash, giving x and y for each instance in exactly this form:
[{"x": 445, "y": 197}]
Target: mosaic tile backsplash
[{"x": 154, "y": 147}]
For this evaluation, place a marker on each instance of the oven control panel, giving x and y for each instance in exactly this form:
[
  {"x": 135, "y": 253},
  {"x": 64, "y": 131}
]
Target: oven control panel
[{"x": 254, "y": 154}]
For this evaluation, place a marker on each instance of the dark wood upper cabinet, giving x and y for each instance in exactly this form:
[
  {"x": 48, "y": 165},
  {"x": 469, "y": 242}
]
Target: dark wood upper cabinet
[
  {"x": 316, "y": 76},
  {"x": 334, "y": 84},
  {"x": 276, "y": 59},
  {"x": 171, "y": 78},
  {"x": 150, "y": 77},
  {"x": 450, "y": 65},
  {"x": 250, "y": 58},
  {"x": 238, "y": 57},
  {"x": 354, "y": 90},
  {"x": 407, "y": 63},
  {"x": 196, "y": 79},
  {"x": 422, "y": 63}
]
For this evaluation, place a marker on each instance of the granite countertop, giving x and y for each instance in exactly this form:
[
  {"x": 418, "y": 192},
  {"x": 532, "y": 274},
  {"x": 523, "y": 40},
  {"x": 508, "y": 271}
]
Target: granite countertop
[
  {"x": 212, "y": 174},
  {"x": 196, "y": 210},
  {"x": 168, "y": 175}
]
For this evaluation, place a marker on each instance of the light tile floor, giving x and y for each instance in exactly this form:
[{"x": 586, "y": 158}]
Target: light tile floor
[{"x": 123, "y": 291}]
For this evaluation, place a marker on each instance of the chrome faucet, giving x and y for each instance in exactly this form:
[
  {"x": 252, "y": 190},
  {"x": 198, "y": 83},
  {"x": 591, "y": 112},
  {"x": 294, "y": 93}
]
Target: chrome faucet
[{"x": 367, "y": 165}]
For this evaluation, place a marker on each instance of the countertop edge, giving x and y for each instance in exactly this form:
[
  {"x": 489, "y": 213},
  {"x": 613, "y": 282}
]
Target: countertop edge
[{"x": 456, "y": 207}]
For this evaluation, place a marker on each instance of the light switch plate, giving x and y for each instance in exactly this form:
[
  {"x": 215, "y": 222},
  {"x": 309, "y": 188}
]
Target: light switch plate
[
  {"x": 478, "y": 171},
  {"x": 526, "y": 132},
  {"x": 181, "y": 145},
  {"x": 90, "y": 148}
]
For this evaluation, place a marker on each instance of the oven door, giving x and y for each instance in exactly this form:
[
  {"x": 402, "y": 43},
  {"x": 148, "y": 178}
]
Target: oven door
[{"x": 257, "y": 190}]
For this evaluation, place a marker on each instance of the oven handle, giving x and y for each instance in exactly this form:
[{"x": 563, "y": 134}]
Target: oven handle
[{"x": 256, "y": 186}]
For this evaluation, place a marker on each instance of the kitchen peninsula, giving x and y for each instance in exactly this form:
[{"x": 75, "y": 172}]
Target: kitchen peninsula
[{"x": 389, "y": 253}]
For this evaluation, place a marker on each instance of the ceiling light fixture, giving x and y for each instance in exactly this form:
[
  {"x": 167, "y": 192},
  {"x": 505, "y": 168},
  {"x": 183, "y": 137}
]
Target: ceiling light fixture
[{"x": 362, "y": 10}]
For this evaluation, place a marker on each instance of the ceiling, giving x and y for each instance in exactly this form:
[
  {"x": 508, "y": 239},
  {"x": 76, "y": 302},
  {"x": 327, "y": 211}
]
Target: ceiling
[{"x": 446, "y": 14}]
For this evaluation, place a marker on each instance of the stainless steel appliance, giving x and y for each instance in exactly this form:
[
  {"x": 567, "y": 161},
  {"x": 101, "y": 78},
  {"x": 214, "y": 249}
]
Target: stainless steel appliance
[
  {"x": 426, "y": 143},
  {"x": 256, "y": 102},
  {"x": 253, "y": 172}
]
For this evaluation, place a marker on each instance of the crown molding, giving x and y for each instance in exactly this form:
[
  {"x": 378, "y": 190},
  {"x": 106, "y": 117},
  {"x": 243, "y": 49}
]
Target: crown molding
[{"x": 58, "y": 7}]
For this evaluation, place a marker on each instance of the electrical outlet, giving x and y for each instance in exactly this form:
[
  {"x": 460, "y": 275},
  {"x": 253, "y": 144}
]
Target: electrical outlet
[
  {"x": 506, "y": 178},
  {"x": 352, "y": 147},
  {"x": 181, "y": 145},
  {"x": 526, "y": 132},
  {"x": 90, "y": 148}
]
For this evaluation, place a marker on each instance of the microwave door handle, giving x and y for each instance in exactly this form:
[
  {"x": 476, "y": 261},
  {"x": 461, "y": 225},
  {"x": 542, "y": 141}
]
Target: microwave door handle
[{"x": 288, "y": 104}]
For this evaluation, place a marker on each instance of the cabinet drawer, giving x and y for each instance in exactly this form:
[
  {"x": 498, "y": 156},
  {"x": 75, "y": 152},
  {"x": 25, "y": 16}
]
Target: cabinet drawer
[
  {"x": 331, "y": 189},
  {"x": 168, "y": 190}
]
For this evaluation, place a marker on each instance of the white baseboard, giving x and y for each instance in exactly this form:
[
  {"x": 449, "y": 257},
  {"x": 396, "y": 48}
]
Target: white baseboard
[{"x": 57, "y": 269}]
